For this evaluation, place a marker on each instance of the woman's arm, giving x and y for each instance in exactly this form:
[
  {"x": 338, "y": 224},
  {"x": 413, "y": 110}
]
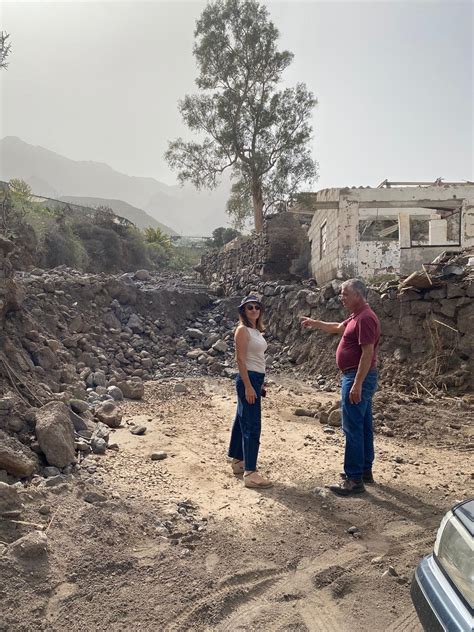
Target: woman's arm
[{"x": 241, "y": 338}]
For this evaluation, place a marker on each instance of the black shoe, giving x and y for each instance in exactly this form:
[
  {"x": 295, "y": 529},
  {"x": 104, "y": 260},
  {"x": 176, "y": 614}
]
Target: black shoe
[
  {"x": 348, "y": 487},
  {"x": 367, "y": 477}
]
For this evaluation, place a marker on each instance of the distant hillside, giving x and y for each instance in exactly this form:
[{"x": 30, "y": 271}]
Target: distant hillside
[
  {"x": 135, "y": 215},
  {"x": 185, "y": 209}
]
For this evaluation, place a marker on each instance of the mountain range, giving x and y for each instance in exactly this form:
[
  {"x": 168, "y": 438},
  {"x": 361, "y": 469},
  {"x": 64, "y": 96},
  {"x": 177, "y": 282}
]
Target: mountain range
[{"x": 137, "y": 198}]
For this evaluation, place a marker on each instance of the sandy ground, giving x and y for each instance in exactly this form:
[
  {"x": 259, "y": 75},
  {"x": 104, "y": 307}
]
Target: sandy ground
[{"x": 180, "y": 544}]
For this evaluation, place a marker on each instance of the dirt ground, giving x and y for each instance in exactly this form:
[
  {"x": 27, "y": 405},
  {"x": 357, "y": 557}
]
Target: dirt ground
[{"x": 180, "y": 544}]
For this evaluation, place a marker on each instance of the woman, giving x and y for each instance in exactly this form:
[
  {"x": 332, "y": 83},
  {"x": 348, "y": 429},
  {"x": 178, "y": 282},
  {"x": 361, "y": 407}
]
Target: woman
[{"x": 250, "y": 348}]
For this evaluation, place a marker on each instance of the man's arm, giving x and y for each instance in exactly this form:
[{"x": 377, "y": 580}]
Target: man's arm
[
  {"x": 365, "y": 362},
  {"x": 330, "y": 328}
]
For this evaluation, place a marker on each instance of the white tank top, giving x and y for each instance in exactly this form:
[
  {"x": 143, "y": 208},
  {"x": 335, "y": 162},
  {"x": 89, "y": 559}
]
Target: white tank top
[{"x": 255, "y": 359}]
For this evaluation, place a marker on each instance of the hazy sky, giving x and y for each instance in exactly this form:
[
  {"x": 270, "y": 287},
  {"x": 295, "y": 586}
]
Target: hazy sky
[{"x": 101, "y": 80}]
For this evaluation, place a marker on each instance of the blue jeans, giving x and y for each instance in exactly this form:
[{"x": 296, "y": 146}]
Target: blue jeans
[
  {"x": 357, "y": 425},
  {"x": 245, "y": 437}
]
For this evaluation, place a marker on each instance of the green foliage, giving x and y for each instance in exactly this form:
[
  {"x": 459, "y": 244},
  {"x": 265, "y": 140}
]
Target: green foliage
[
  {"x": 62, "y": 247},
  {"x": 248, "y": 125},
  {"x": 222, "y": 236},
  {"x": 51, "y": 234},
  {"x": 157, "y": 236},
  {"x": 102, "y": 245}
]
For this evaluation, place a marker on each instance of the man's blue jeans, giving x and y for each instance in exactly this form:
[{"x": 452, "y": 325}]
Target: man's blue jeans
[
  {"x": 357, "y": 425},
  {"x": 245, "y": 437}
]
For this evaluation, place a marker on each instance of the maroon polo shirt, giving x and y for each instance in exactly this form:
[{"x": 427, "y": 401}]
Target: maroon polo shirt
[{"x": 361, "y": 328}]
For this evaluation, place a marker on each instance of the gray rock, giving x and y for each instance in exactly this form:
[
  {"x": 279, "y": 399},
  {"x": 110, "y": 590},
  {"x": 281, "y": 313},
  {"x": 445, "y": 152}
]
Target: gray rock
[
  {"x": 54, "y": 481},
  {"x": 323, "y": 417},
  {"x": 194, "y": 334},
  {"x": 78, "y": 406},
  {"x": 353, "y": 530},
  {"x": 109, "y": 414},
  {"x": 94, "y": 497},
  {"x": 132, "y": 389},
  {"x": 111, "y": 321},
  {"x": 195, "y": 354},
  {"x": 98, "y": 378},
  {"x": 55, "y": 434},
  {"x": 335, "y": 418},
  {"x": 16, "y": 458},
  {"x": 115, "y": 393},
  {"x": 135, "y": 323},
  {"x": 51, "y": 471},
  {"x": 44, "y": 510},
  {"x": 31, "y": 547},
  {"x": 210, "y": 340},
  {"x": 45, "y": 358},
  {"x": 10, "y": 501},
  {"x": 138, "y": 430},
  {"x": 142, "y": 275},
  {"x": 98, "y": 445},
  {"x": 158, "y": 456},
  {"x": 221, "y": 346},
  {"x": 83, "y": 446},
  {"x": 101, "y": 431},
  {"x": 76, "y": 325},
  {"x": 303, "y": 412},
  {"x": 180, "y": 388}
]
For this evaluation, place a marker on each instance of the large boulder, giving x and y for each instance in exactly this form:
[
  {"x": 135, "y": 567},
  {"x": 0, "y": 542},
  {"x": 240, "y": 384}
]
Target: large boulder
[
  {"x": 132, "y": 389},
  {"x": 55, "y": 434},
  {"x": 16, "y": 458},
  {"x": 109, "y": 414}
]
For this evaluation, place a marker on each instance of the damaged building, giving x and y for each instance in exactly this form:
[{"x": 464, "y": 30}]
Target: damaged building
[{"x": 394, "y": 228}]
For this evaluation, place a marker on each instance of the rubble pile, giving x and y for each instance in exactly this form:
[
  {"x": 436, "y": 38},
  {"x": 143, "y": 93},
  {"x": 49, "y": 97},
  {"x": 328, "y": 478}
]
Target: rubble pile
[{"x": 82, "y": 343}]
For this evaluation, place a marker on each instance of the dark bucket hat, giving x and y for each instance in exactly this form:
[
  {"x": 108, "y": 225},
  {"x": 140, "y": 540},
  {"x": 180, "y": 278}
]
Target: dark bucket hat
[{"x": 251, "y": 298}]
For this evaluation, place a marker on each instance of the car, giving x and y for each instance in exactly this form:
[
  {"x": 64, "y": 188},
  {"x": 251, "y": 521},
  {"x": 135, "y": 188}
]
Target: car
[{"x": 442, "y": 589}]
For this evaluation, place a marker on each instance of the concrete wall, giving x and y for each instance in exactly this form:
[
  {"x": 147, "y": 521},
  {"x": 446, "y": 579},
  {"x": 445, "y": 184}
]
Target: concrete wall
[
  {"x": 376, "y": 258},
  {"x": 326, "y": 268}
]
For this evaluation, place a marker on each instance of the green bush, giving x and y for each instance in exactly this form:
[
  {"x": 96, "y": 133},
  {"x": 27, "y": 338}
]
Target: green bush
[
  {"x": 103, "y": 247},
  {"x": 62, "y": 247}
]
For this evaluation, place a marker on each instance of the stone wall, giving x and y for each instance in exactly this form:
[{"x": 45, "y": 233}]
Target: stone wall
[
  {"x": 281, "y": 251},
  {"x": 427, "y": 336}
]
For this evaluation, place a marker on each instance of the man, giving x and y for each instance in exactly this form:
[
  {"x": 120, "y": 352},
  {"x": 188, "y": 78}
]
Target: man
[{"x": 356, "y": 357}]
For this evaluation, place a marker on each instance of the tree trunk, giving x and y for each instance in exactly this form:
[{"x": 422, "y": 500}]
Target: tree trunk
[{"x": 257, "y": 198}]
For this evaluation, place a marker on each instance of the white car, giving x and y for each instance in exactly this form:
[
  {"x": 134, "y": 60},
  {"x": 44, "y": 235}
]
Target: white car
[{"x": 442, "y": 590}]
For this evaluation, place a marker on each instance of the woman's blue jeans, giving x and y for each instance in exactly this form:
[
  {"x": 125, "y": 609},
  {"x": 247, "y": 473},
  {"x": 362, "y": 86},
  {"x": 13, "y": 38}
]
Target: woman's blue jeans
[
  {"x": 245, "y": 436},
  {"x": 357, "y": 425}
]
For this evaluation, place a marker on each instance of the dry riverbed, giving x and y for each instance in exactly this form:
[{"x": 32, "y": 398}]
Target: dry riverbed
[{"x": 179, "y": 544}]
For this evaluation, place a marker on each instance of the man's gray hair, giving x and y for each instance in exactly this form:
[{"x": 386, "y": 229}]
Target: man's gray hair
[{"x": 357, "y": 285}]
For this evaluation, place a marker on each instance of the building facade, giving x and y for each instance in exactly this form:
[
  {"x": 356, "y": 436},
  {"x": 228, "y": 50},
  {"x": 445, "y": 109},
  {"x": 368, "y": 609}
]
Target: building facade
[{"x": 395, "y": 228}]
